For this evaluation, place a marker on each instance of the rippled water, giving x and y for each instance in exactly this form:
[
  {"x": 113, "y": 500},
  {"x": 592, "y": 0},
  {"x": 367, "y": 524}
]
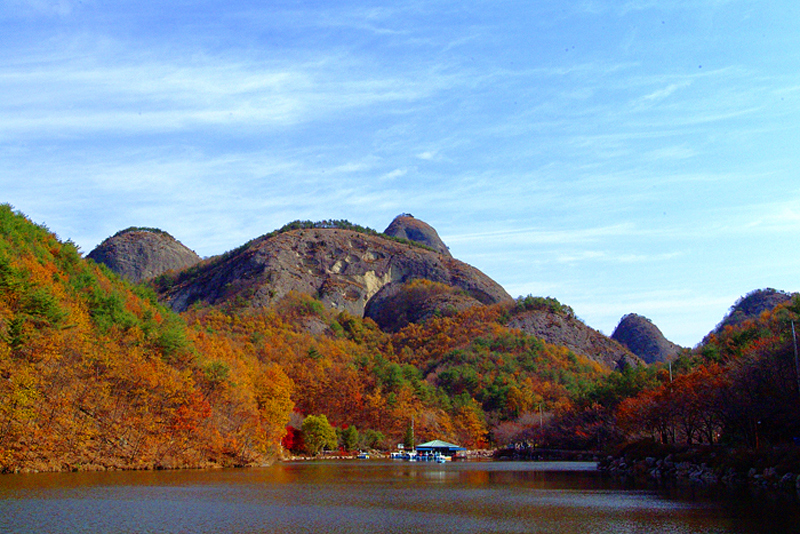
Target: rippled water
[{"x": 371, "y": 496}]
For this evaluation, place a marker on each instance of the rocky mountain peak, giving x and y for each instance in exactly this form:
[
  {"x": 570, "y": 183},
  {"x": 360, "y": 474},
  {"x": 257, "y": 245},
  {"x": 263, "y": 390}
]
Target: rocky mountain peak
[
  {"x": 644, "y": 339},
  {"x": 341, "y": 267},
  {"x": 140, "y": 254},
  {"x": 405, "y": 226}
]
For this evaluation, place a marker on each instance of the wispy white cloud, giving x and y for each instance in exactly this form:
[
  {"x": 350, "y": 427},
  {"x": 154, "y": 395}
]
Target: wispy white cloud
[
  {"x": 141, "y": 93},
  {"x": 353, "y": 167},
  {"x": 677, "y": 152},
  {"x": 376, "y": 20},
  {"x": 598, "y": 7},
  {"x": 661, "y": 94},
  {"x": 397, "y": 173},
  {"x": 779, "y": 216}
]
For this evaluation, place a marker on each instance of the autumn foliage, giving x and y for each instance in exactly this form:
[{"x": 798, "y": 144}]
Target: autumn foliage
[
  {"x": 739, "y": 389},
  {"x": 95, "y": 373}
]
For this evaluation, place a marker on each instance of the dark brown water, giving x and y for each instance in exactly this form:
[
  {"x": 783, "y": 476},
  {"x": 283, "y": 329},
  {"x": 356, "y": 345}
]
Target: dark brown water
[{"x": 366, "y": 496}]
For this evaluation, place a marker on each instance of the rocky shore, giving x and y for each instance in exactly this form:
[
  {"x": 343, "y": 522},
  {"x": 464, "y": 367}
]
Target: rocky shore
[{"x": 700, "y": 468}]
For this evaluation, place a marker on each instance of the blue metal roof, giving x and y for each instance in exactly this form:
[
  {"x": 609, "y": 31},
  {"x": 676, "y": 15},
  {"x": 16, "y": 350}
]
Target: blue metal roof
[{"x": 439, "y": 444}]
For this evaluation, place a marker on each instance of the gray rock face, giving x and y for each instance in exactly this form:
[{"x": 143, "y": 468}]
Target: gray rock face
[
  {"x": 343, "y": 268},
  {"x": 139, "y": 255},
  {"x": 644, "y": 339},
  {"x": 568, "y": 331},
  {"x": 407, "y": 227}
]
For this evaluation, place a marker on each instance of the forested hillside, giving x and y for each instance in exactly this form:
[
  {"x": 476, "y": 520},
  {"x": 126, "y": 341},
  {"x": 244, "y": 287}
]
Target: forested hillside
[
  {"x": 95, "y": 374},
  {"x": 457, "y": 376},
  {"x": 739, "y": 390}
]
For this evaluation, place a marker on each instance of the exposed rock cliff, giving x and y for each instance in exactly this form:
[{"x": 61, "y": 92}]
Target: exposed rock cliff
[
  {"x": 644, "y": 339},
  {"x": 140, "y": 254},
  {"x": 566, "y": 330},
  {"x": 343, "y": 268},
  {"x": 407, "y": 227}
]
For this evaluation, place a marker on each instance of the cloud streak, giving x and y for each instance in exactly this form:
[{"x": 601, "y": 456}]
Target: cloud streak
[{"x": 143, "y": 94}]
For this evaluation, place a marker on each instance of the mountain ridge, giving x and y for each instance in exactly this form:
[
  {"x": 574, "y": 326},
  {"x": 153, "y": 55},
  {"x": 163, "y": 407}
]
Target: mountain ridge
[
  {"x": 343, "y": 268},
  {"x": 564, "y": 329},
  {"x": 368, "y": 274},
  {"x": 749, "y": 307}
]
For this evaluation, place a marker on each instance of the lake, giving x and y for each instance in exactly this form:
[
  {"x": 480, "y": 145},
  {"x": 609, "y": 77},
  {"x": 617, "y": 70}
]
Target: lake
[{"x": 373, "y": 496}]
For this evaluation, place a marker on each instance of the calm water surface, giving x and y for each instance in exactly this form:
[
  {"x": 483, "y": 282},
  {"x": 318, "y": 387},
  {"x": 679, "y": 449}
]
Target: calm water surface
[{"x": 372, "y": 496}]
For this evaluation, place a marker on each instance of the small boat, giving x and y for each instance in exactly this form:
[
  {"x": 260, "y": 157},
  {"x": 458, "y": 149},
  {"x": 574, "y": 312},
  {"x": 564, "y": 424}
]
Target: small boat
[{"x": 363, "y": 456}]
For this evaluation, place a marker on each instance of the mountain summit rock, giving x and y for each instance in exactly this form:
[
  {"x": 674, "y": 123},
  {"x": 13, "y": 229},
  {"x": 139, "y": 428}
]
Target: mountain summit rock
[
  {"x": 405, "y": 226},
  {"x": 644, "y": 339},
  {"x": 140, "y": 254}
]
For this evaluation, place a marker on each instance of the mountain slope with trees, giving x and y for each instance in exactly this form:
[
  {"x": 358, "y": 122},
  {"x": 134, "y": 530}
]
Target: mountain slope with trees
[
  {"x": 731, "y": 403},
  {"x": 548, "y": 319},
  {"x": 393, "y": 279},
  {"x": 750, "y": 307},
  {"x": 95, "y": 374}
]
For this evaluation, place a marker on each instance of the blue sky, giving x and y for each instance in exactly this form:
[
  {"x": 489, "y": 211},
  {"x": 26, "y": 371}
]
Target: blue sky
[{"x": 621, "y": 157}]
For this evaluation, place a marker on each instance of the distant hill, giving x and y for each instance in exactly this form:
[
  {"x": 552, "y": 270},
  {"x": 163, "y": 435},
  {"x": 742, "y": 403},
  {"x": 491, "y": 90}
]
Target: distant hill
[
  {"x": 344, "y": 268},
  {"x": 644, "y": 339},
  {"x": 140, "y": 254},
  {"x": 407, "y": 227},
  {"x": 749, "y": 307},
  {"x": 555, "y": 323}
]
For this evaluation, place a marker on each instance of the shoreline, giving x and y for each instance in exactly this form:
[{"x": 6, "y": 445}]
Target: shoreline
[{"x": 761, "y": 472}]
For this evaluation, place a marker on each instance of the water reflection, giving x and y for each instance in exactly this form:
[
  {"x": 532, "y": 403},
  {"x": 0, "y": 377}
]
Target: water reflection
[{"x": 349, "y": 497}]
